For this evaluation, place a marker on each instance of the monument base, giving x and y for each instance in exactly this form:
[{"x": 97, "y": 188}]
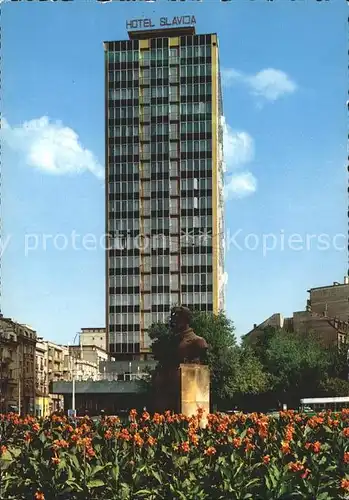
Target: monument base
[{"x": 194, "y": 389}]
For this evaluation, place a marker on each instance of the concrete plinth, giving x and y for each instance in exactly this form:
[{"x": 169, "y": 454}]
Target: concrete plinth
[{"x": 194, "y": 389}]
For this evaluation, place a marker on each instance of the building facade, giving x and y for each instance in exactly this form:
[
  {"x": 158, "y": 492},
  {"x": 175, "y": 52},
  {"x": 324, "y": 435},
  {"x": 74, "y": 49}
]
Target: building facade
[
  {"x": 326, "y": 316},
  {"x": 17, "y": 367},
  {"x": 94, "y": 336},
  {"x": 42, "y": 399},
  {"x": 164, "y": 182}
]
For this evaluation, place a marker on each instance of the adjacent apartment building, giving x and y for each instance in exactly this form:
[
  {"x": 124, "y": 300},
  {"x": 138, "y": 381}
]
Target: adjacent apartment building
[
  {"x": 17, "y": 367},
  {"x": 164, "y": 182},
  {"x": 326, "y": 315}
]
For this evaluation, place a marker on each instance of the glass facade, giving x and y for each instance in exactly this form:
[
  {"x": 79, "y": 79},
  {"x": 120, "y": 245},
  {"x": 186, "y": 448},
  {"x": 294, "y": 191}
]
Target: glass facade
[{"x": 164, "y": 200}]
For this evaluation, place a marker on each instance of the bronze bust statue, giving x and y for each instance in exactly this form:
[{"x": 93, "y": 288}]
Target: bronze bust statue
[{"x": 190, "y": 348}]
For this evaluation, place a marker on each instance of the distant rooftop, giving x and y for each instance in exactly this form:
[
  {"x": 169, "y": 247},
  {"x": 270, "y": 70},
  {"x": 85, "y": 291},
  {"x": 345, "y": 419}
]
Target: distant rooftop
[{"x": 162, "y": 33}]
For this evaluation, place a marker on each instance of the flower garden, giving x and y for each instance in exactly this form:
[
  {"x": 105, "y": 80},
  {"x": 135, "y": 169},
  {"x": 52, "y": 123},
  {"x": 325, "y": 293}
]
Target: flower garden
[{"x": 170, "y": 456}]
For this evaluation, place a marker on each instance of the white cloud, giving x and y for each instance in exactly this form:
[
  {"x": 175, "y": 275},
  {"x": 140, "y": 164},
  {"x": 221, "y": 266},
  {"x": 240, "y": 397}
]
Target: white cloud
[
  {"x": 238, "y": 151},
  {"x": 240, "y": 185},
  {"x": 270, "y": 84},
  {"x": 238, "y": 146},
  {"x": 50, "y": 147}
]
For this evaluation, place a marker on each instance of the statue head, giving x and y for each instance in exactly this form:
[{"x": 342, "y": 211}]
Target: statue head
[{"x": 180, "y": 319}]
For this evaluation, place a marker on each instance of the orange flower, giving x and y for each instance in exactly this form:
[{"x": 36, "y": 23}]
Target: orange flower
[
  {"x": 295, "y": 466},
  {"x": 266, "y": 459},
  {"x": 211, "y": 450},
  {"x": 108, "y": 434},
  {"x": 27, "y": 437},
  {"x": 345, "y": 484},
  {"x": 237, "y": 442},
  {"x": 133, "y": 414},
  {"x": 55, "y": 460},
  {"x": 285, "y": 447},
  {"x": 3, "y": 450},
  {"x": 305, "y": 474},
  {"x": 39, "y": 495},
  {"x": 138, "y": 440},
  {"x": 194, "y": 439},
  {"x": 249, "y": 446},
  {"x": 250, "y": 431},
  {"x": 60, "y": 443},
  {"x": 124, "y": 434},
  {"x": 151, "y": 441},
  {"x": 346, "y": 431},
  {"x": 145, "y": 416},
  {"x": 36, "y": 427},
  {"x": 316, "y": 447},
  {"x": 90, "y": 451},
  {"x": 346, "y": 457},
  {"x": 185, "y": 446},
  {"x": 289, "y": 432}
]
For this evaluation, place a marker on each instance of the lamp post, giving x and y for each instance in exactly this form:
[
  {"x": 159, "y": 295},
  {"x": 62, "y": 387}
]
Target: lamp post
[{"x": 73, "y": 372}]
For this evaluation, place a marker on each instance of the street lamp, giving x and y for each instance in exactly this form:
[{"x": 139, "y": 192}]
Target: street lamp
[{"x": 73, "y": 372}]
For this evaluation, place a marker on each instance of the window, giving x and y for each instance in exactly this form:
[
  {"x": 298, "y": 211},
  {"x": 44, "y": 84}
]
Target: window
[{"x": 174, "y": 265}]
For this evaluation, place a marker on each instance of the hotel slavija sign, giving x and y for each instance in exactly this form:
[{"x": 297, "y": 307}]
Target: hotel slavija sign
[{"x": 135, "y": 24}]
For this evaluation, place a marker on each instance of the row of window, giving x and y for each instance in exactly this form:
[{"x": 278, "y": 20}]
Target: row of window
[
  {"x": 171, "y": 148},
  {"x": 128, "y": 281},
  {"x": 145, "y": 243},
  {"x": 187, "y": 108},
  {"x": 196, "y": 260},
  {"x": 126, "y": 337},
  {"x": 171, "y": 186},
  {"x": 164, "y": 92},
  {"x": 202, "y": 221},
  {"x": 147, "y": 168},
  {"x": 202, "y": 127},
  {"x": 196, "y": 89},
  {"x": 123, "y": 56},
  {"x": 124, "y": 187},
  {"x": 124, "y": 131},
  {"x": 158, "y": 54},
  {"x": 195, "y": 146},
  {"x": 195, "y": 51},
  {"x": 124, "y": 206},
  {"x": 168, "y": 261},
  {"x": 195, "y": 70},
  {"x": 129, "y": 75},
  {"x": 163, "y": 53},
  {"x": 159, "y": 73}
]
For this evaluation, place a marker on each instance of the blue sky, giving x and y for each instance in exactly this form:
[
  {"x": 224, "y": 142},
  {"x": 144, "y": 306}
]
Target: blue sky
[{"x": 284, "y": 67}]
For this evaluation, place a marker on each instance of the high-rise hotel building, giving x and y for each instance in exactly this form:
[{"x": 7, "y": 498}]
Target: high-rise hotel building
[{"x": 164, "y": 182}]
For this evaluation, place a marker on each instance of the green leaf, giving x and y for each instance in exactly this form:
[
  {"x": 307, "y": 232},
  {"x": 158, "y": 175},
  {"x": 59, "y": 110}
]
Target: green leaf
[
  {"x": 157, "y": 476},
  {"x": 98, "y": 468},
  {"x": 322, "y": 496},
  {"x": 75, "y": 461},
  {"x": 7, "y": 457},
  {"x": 95, "y": 483},
  {"x": 115, "y": 471}
]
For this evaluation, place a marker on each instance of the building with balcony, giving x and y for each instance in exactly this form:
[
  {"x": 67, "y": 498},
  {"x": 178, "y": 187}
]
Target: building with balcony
[
  {"x": 17, "y": 367},
  {"x": 42, "y": 400},
  {"x": 164, "y": 182}
]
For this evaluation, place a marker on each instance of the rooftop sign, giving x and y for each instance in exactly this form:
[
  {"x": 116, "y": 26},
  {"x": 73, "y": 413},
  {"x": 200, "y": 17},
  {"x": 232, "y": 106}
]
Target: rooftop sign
[{"x": 164, "y": 22}]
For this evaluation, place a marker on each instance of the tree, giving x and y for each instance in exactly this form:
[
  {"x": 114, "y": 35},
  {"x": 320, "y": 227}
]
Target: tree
[
  {"x": 333, "y": 387},
  {"x": 235, "y": 371},
  {"x": 296, "y": 364},
  {"x": 222, "y": 356}
]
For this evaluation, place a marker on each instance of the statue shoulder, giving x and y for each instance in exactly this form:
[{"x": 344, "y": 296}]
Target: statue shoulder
[{"x": 201, "y": 342}]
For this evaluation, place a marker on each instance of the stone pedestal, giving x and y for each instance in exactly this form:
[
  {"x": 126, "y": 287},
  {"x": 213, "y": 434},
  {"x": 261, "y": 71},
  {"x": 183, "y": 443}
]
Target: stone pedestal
[{"x": 194, "y": 382}]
